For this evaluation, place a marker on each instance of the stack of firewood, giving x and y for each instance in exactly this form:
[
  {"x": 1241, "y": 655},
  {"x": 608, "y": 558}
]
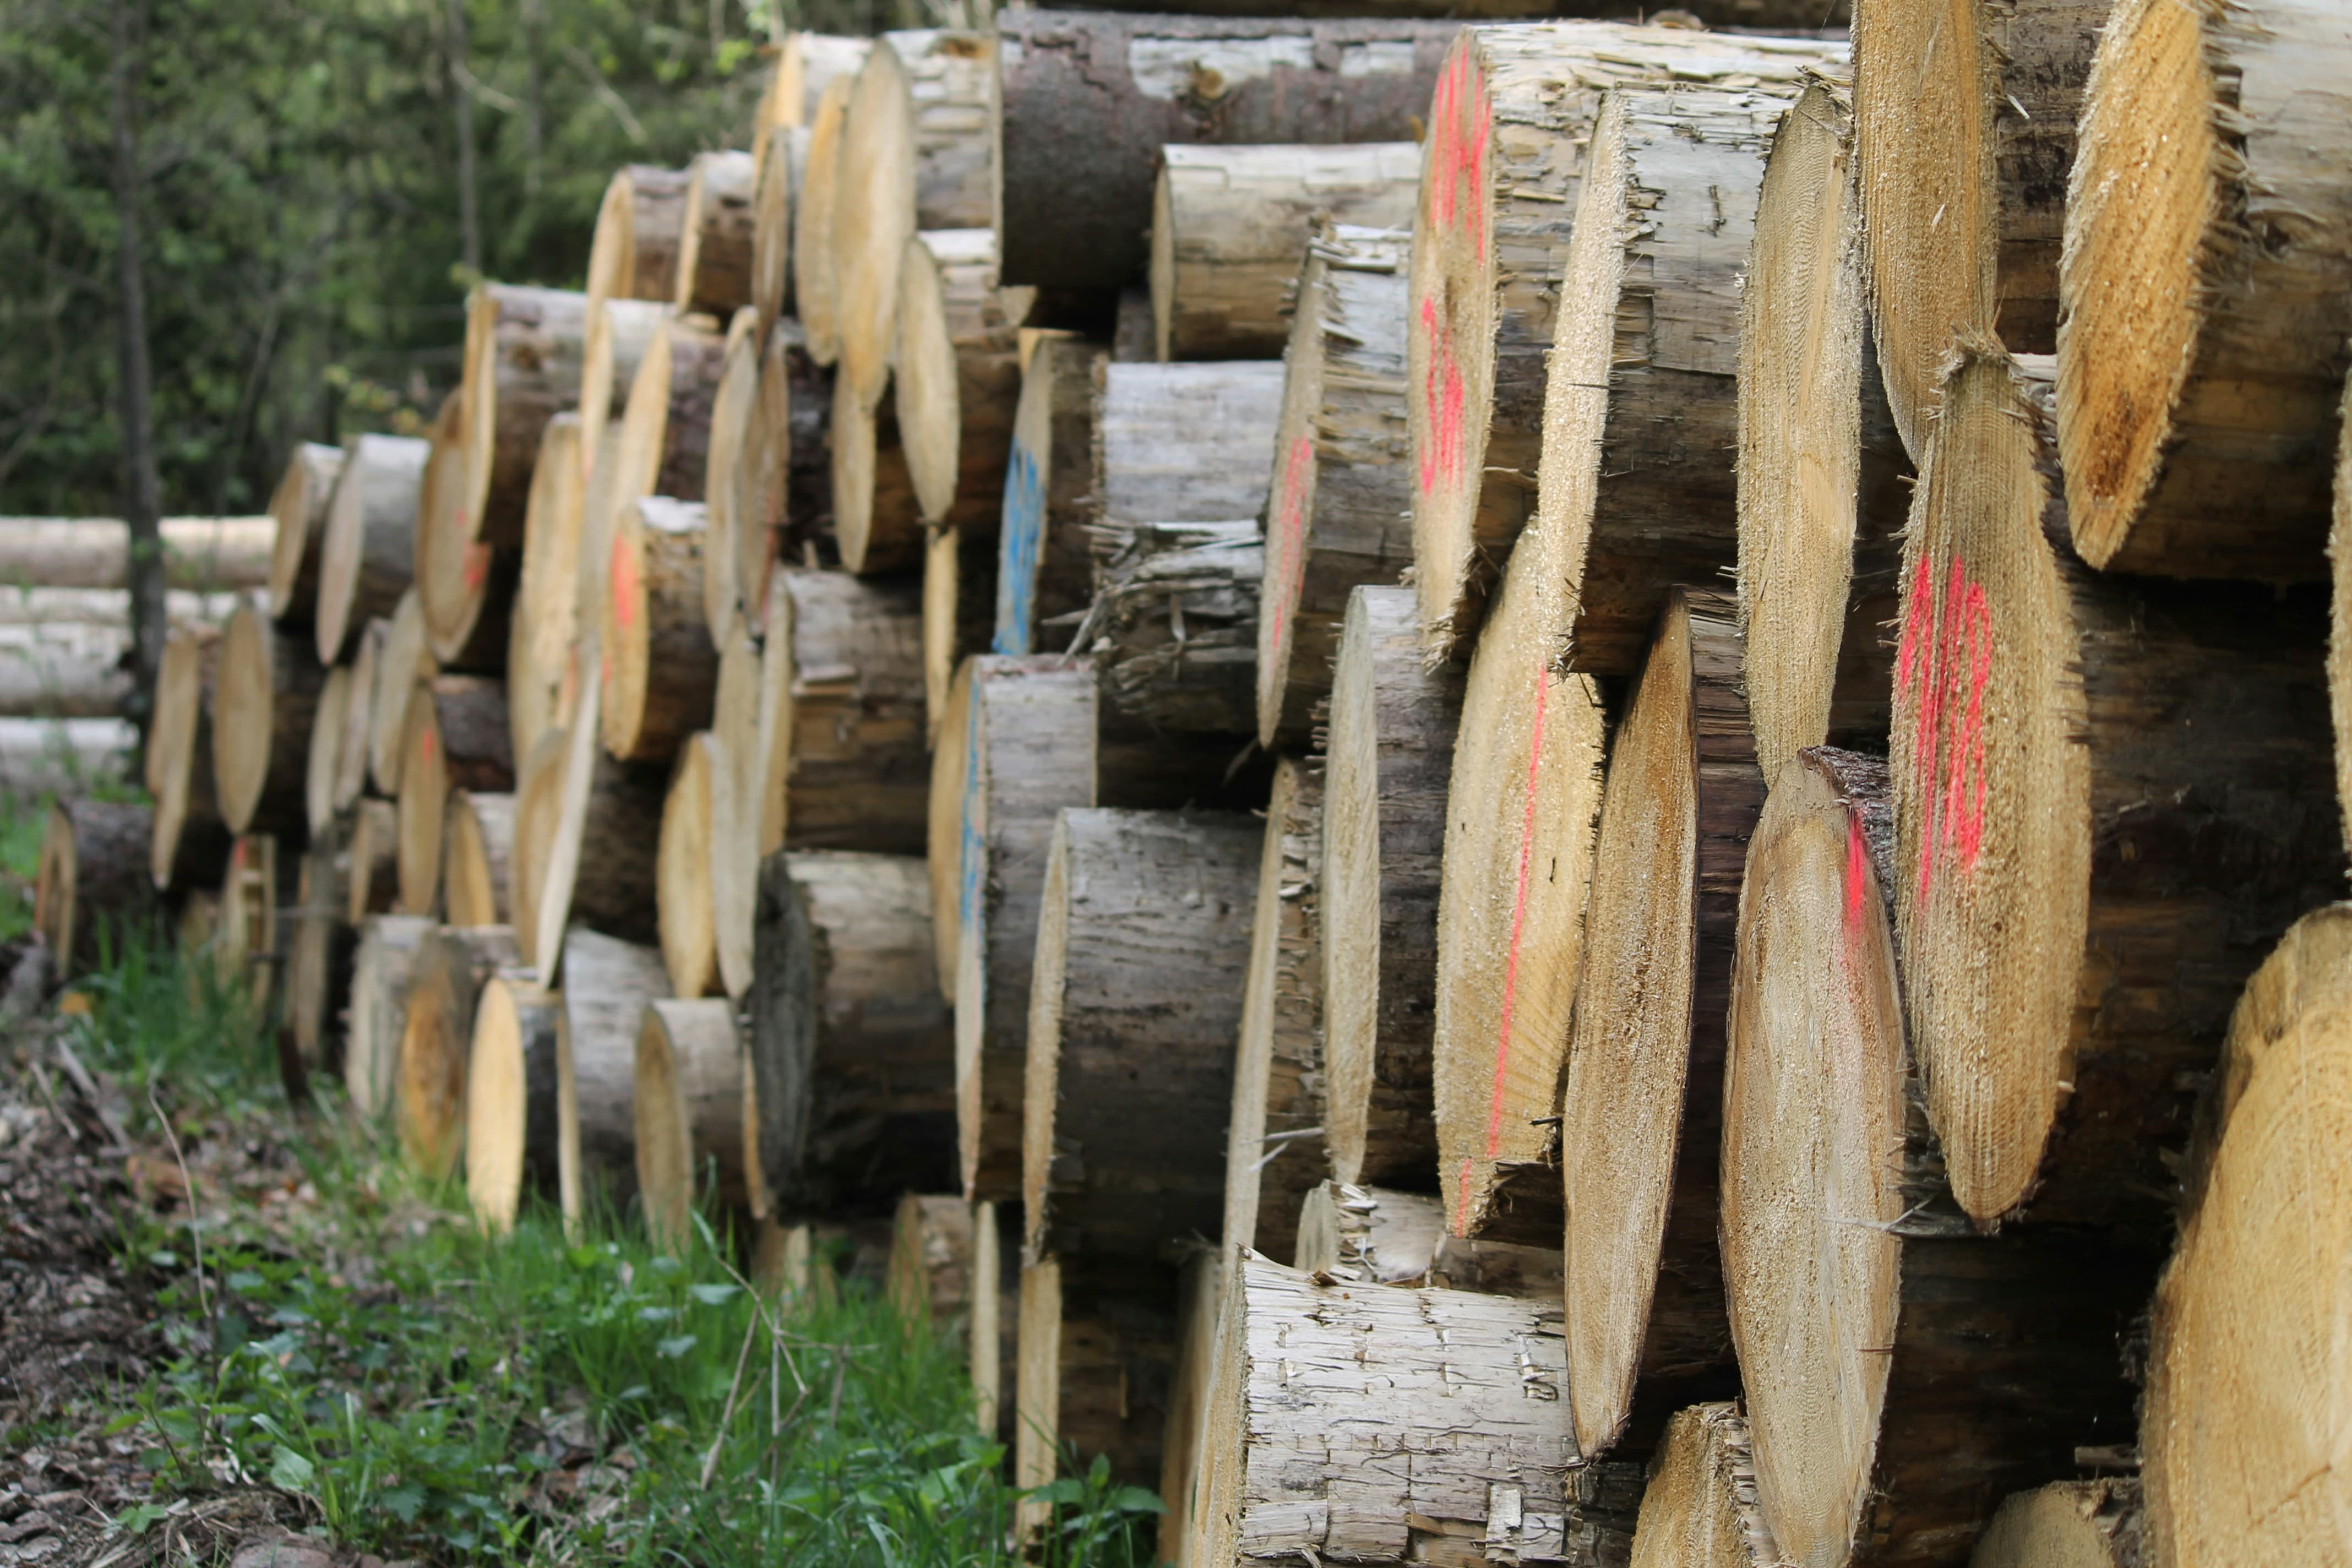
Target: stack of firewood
[{"x": 1576, "y": 775}]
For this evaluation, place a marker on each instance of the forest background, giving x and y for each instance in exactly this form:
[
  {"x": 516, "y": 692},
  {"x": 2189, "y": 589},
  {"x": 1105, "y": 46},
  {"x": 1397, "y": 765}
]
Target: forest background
[{"x": 317, "y": 183}]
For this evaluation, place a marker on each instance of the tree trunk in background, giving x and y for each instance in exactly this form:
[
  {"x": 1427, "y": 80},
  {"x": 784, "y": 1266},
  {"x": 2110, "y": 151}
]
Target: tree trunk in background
[
  {"x": 143, "y": 506},
  {"x": 470, "y": 224}
]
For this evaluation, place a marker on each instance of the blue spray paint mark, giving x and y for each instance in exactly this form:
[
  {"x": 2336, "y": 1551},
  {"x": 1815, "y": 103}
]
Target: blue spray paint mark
[{"x": 1024, "y": 540}]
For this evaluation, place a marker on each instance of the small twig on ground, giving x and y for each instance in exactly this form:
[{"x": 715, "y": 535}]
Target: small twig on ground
[
  {"x": 71, "y": 1063},
  {"x": 726, "y": 1414},
  {"x": 195, "y": 1218}
]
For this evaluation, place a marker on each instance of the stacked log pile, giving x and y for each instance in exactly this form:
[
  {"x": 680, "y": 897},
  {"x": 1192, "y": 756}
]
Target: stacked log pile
[{"x": 1765, "y": 597}]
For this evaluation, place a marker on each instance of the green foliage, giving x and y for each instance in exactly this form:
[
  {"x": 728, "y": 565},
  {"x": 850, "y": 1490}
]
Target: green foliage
[{"x": 300, "y": 206}]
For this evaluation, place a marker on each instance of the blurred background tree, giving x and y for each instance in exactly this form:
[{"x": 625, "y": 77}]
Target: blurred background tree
[{"x": 303, "y": 205}]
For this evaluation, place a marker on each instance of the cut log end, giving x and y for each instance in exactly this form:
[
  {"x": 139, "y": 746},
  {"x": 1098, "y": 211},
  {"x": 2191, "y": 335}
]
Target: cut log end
[
  {"x": 873, "y": 218},
  {"x": 444, "y": 983},
  {"x": 1699, "y": 1509},
  {"x": 2069, "y": 1524},
  {"x": 698, "y": 788},
  {"x": 688, "y": 1076},
  {"x": 510, "y": 1098}
]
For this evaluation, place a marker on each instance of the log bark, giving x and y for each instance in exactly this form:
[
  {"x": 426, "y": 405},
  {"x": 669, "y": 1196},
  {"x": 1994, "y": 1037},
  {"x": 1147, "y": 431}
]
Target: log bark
[
  {"x": 27, "y": 606},
  {"x": 572, "y": 796},
  {"x": 1089, "y": 99},
  {"x": 1274, "y": 1147},
  {"x": 1392, "y": 725},
  {"x": 715, "y": 233},
  {"x": 60, "y": 755},
  {"x": 367, "y": 554},
  {"x": 1902, "y": 1371},
  {"x": 814, "y": 296},
  {"x": 1173, "y": 628},
  {"x": 445, "y": 983},
  {"x": 379, "y": 1009},
  {"x": 930, "y": 1275},
  {"x": 2205, "y": 292},
  {"x": 959, "y": 612},
  {"x": 1510, "y": 124},
  {"x": 805, "y": 66},
  {"x": 1228, "y": 225},
  {"x": 1097, "y": 1356},
  {"x": 687, "y": 1103},
  {"x": 661, "y": 671},
  {"x": 855, "y": 766},
  {"x": 318, "y": 949},
  {"x": 1700, "y": 1508},
  {"x": 1510, "y": 911},
  {"x": 2084, "y": 886},
  {"x": 513, "y": 1101},
  {"x": 455, "y": 738},
  {"x": 352, "y": 746},
  {"x": 851, "y": 1048},
  {"x": 2099, "y": 1524},
  {"x": 1338, "y": 505},
  {"x": 1182, "y": 443},
  {"x": 877, "y": 521},
  {"x": 1027, "y": 754},
  {"x": 2236, "y": 1315},
  {"x": 403, "y": 660},
  {"x": 1320, "y": 1383},
  {"x": 1143, "y": 939},
  {"x": 1965, "y": 126},
  {"x": 323, "y": 761},
  {"x": 873, "y": 218},
  {"x": 525, "y": 353},
  {"x": 371, "y": 880},
  {"x": 1045, "y": 576},
  {"x": 1642, "y": 1104},
  {"x": 265, "y": 704},
  {"x": 73, "y": 671},
  {"x": 1667, "y": 220},
  {"x": 478, "y": 857},
  {"x": 606, "y": 986},
  {"x": 299, "y": 507},
  {"x": 640, "y": 227},
  {"x": 93, "y": 893},
  {"x": 951, "y": 87},
  {"x": 1823, "y": 482},
  {"x": 956, "y": 375},
  {"x": 210, "y": 554},
  {"x": 699, "y": 788}
]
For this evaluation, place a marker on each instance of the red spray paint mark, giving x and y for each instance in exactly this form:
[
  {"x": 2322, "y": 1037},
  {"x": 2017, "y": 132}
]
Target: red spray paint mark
[
  {"x": 1290, "y": 537},
  {"x": 1443, "y": 397},
  {"x": 478, "y": 567},
  {"x": 625, "y": 584},
  {"x": 1459, "y": 133},
  {"x": 430, "y": 744},
  {"x": 1944, "y": 662},
  {"x": 1857, "y": 878},
  {"x": 1519, "y": 920}
]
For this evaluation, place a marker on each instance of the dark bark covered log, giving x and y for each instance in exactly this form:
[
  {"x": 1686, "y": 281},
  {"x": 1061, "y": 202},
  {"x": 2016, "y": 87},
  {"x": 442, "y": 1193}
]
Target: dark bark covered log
[
  {"x": 1097, "y": 1353},
  {"x": 1391, "y": 758},
  {"x": 92, "y": 891},
  {"x": 852, "y": 1048},
  {"x": 1228, "y": 225},
  {"x": 1338, "y": 511},
  {"x": 1644, "y": 399},
  {"x": 2086, "y": 875},
  {"x": 1143, "y": 939},
  {"x": 265, "y": 704},
  {"x": 1173, "y": 629},
  {"x": 1045, "y": 575},
  {"x": 2205, "y": 291},
  {"x": 1275, "y": 1142},
  {"x": 1026, "y": 751},
  {"x": 298, "y": 505},
  {"x": 1823, "y": 480},
  {"x": 514, "y": 1111},
  {"x": 714, "y": 256},
  {"x": 1511, "y": 126},
  {"x": 525, "y": 348},
  {"x": 1901, "y": 1371},
  {"x": 857, "y": 768},
  {"x": 1321, "y": 1382},
  {"x": 606, "y": 984},
  {"x": 319, "y": 948},
  {"x": 1643, "y": 1105},
  {"x": 1090, "y": 98},
  {"x": 633, "y": 254},
  {"x": 445, "y": 983}
]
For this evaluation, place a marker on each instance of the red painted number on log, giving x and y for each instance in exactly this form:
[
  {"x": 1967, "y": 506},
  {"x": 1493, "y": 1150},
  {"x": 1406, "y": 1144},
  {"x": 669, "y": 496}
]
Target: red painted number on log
[
  {"x": 1943, "y": 664},
  {"x": 1857, "y": 878},
  {"x": 1457, "y": 152},
  {"x": 1443, "y": 396},
  {"x": 1290, "y": 537}
]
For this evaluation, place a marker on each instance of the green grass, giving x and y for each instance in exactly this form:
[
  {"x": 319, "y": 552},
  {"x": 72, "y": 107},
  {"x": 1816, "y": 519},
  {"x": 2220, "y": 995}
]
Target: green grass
[{"x": 347, "y": 1336}]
